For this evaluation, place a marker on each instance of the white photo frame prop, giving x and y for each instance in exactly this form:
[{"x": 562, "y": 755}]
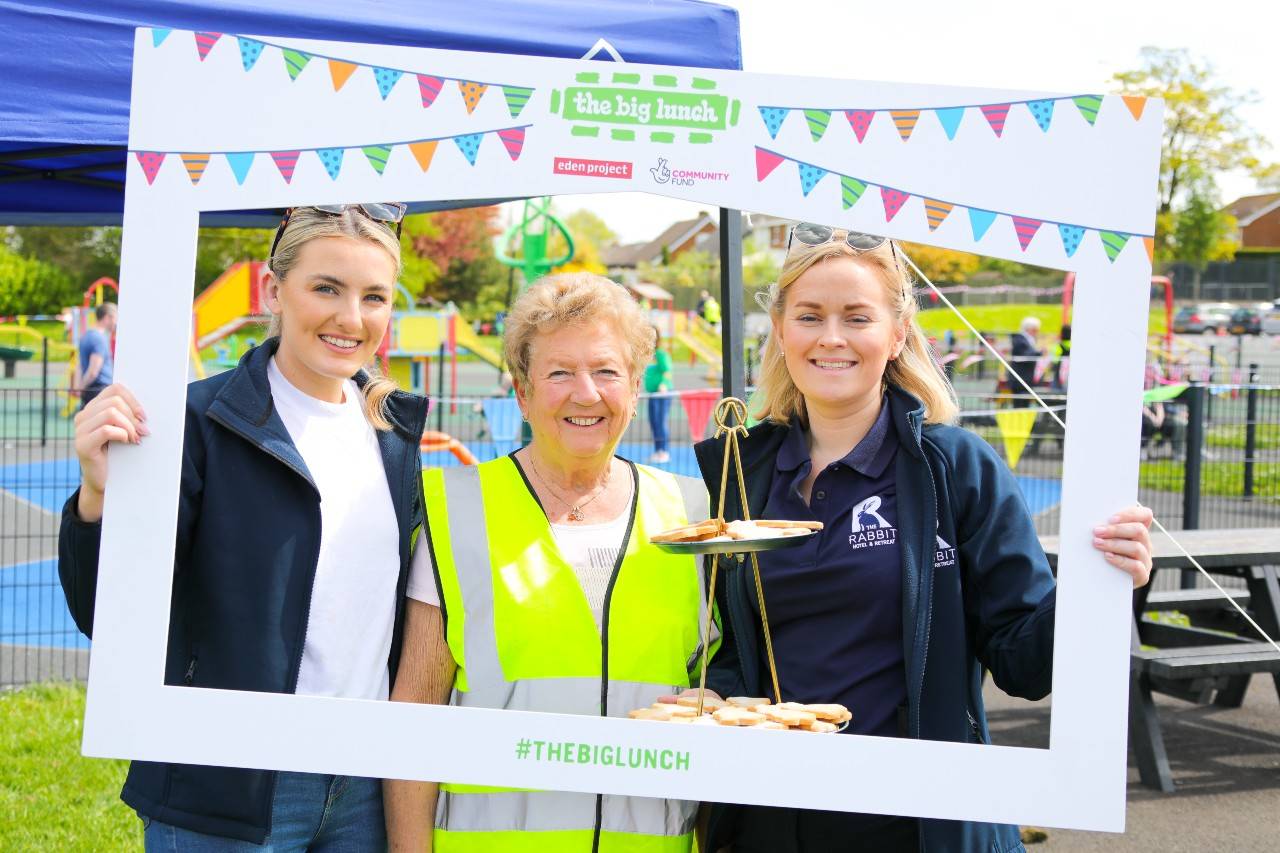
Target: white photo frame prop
[{"x": 226, "y": 122}]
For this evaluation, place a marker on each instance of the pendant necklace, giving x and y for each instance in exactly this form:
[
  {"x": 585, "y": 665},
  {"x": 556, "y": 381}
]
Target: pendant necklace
[{"x": 575, "y": 509}]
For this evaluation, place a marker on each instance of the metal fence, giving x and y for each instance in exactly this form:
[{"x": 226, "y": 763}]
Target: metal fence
[{"x": 1213, "y": 460}]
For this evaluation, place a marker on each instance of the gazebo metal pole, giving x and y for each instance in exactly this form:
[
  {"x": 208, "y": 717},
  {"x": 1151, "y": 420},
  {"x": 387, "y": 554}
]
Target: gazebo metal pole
[{"x": 732, "y": 332}]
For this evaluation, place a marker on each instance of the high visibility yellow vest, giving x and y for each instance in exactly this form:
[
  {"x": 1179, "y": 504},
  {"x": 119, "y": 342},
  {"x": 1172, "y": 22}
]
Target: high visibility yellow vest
[{"x": 523, "y": 637}]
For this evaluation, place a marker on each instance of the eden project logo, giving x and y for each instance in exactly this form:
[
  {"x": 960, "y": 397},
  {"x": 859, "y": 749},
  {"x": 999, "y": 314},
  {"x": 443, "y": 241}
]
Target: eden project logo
[{"x": 869, "y": 527}]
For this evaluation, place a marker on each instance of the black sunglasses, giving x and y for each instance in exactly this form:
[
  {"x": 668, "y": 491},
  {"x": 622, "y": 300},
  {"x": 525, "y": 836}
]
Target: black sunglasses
[{"x": 387, "y": 212}]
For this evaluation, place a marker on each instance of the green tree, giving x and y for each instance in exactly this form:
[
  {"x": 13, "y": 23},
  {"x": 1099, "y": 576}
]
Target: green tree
[
  {"x": 1204, "y": 135},
  {"x": 84, "y": 254},
  {"x": 590, "y": 235},
  {"x": 1202, "y": 232},
  {"x": 29, "y": 285},
  {"x": 219, "y": 248}
]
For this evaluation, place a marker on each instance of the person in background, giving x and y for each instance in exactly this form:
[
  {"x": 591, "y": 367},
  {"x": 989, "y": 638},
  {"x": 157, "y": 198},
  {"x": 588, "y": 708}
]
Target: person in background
[
  {"x": 941, "y": 577},
  {"x": 1023, "y": 355},
  {"x": 1062, "y": 359},
  {"x": 657, "y": 381},
  {"x": 97, "y": 365},
  {"x": 711, "y": 313},
  {"x": 700, "y": 309}
]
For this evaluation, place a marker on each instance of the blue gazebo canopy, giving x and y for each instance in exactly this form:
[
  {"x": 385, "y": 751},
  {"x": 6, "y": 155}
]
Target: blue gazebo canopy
[{"x": 65, "y": 77}]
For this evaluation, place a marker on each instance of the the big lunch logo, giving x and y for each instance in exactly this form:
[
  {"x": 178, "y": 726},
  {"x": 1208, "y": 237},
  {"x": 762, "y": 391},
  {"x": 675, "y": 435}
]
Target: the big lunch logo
[
  {"x": 869, "y": 528},
  {"x": 619, "y": 104}
]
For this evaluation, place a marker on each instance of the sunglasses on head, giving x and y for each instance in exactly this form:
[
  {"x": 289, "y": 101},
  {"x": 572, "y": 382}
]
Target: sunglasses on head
[
  {"x": 387, "y": 212},
  {"x": 815, "y": 235}
]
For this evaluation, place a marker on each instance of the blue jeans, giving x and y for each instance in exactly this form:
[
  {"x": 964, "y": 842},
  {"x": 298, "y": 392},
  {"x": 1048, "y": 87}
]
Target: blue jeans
[
  {"x": 658, "y": 408},
  {"x": 312, "y": 812}
]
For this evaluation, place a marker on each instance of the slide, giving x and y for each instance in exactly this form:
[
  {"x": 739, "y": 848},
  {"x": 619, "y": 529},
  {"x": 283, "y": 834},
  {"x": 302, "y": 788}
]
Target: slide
[
  {"x": 701, "y": 340},
  {"x": 467, "y": 339},
  {"x": 233, "y": 301}
]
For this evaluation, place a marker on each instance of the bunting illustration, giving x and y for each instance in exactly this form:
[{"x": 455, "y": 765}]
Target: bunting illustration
[
  {"x": 377, "y": 154},
  {"x": 341, "y": 70},
  {"x": 949, "y": 117},
  {"x": 936, "y": 211}
]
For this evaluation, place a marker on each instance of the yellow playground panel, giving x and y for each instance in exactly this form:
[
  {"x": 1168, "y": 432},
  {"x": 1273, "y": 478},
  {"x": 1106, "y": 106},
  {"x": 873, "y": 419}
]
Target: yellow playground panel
[{"x": 417, "y": 337}]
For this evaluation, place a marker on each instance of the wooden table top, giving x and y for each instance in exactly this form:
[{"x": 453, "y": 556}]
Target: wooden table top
[{"x": 1256, "y": 546}]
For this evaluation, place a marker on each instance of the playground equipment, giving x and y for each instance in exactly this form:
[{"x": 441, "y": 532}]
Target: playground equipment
[
  {"x": 433, "y": 441},
  {"x": 534, "y": 231},
  {"x": 701, "y": 339},
  {"x": 416, "y": 337},
  {"x": 233, "y": 301}
]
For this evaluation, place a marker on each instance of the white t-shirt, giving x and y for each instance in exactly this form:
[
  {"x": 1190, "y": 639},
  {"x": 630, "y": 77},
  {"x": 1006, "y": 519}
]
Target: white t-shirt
[
  {"x": 353, "y": 596},
  {"x": 591, "y": 550}
]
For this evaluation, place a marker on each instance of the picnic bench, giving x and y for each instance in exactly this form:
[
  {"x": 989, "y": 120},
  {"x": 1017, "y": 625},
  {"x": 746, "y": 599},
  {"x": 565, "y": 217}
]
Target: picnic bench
[
  {"x": 1211, "y": 657},
  {"x": 11, "y": 356}
]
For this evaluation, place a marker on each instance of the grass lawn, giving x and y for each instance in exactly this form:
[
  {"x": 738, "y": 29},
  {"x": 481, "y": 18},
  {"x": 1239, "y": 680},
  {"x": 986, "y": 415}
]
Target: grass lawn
[
  {"x": 1219, "y": 479},
  {"x": 1005, "y": 319},
  {"x": 1233, "y": 435},
  {"x": 51, "y": 798}
]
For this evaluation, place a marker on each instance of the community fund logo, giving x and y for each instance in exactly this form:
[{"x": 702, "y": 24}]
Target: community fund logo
[
  {"x": 663, "y": 174},
  {"x": 869, "y": 527}
]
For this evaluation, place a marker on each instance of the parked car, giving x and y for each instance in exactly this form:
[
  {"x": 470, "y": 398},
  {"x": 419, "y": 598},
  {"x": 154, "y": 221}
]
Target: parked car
[
  {"x": 1245, "y": 321},
  {"x": 1205, "y": 317}
]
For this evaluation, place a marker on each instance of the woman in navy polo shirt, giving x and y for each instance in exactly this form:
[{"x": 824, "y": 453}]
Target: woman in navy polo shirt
[{"x": 928, "y": 569}]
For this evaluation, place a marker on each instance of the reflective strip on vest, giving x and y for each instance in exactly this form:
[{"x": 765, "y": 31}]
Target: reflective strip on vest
[{"x": 523, "y": 638}]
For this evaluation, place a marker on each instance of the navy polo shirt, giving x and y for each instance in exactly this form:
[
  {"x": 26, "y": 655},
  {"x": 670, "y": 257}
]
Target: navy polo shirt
[{"x": 835, "y": 602}]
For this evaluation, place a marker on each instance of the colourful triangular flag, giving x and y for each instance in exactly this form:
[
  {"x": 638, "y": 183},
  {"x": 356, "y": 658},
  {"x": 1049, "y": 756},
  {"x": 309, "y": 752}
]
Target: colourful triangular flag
[
  {"x": 377, "y": 156},
  {"x": 1088, "y": 106},
  {"x": 295, "y": 61},
  {"x": 150, "y": 162},
  {"x": 950, "y": 117},
  {"x": 1026, "y": 229},
  {"x": 196, "y": 164},
  {"x": 995, "y": 115},
  {"x": 1136, "y": 104},
  {"x": 1071, "y": 236},
  {"x": 471, "y": 94},
  {"x": 340, "y": 72},
  {"x": 818, "y": 121},
  {"x": 809, "y": 176},
  {"x": 158, "y": 35},
  {"x": 1150, "y": 244},
  {"x": 517, "y": 97},
  {"x": 205, "y": 43},
  {"x": 893, "y": 202},
  {"x": 250, "y": 50},
  {"x": 905, "y": 122},
  {"x": 935, "y": 211},
  {"x": 1015, "y": 428},
  {"x": 766, "y": 162},
  {"x": 980, "y": 221},
  {"x": 286, "y": 162},
  {"x": 698, "y": 404},
  {"x": 240, "y": 161},
  {"x": 423, "y": 152},
  {"x": 851, "y": 189},
  {"x": 429, "y": 87},
  {"x": 386, "y": 79},
  {"x": 469, "y": 145},
  {"x": 1042, "y": 112},
  {"x": 860, "y": 120},
  {"x": 513, "y": 139},
  {"x": 1113, "y": 242},
  {"x": 773, "y": 118},
  {"x": 332, "y": 160}
]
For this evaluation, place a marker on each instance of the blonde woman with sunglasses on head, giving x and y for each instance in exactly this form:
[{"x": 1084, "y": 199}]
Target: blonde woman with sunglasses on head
[
  {"x": 928, "y": 569},
  {"x": 300, "y": 492}
]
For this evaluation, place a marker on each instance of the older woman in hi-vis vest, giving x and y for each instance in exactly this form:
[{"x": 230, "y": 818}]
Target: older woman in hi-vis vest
[{"x": 539, "y": 591}]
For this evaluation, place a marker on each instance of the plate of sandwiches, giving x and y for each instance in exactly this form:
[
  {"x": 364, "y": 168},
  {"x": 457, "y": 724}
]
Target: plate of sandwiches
[
  {"x": 714, "y": 536},
  {"x": 748, "y": 712}
]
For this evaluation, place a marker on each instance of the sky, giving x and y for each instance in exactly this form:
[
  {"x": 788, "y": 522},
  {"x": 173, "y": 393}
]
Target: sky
[{"x": 1064, "y": 47}]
